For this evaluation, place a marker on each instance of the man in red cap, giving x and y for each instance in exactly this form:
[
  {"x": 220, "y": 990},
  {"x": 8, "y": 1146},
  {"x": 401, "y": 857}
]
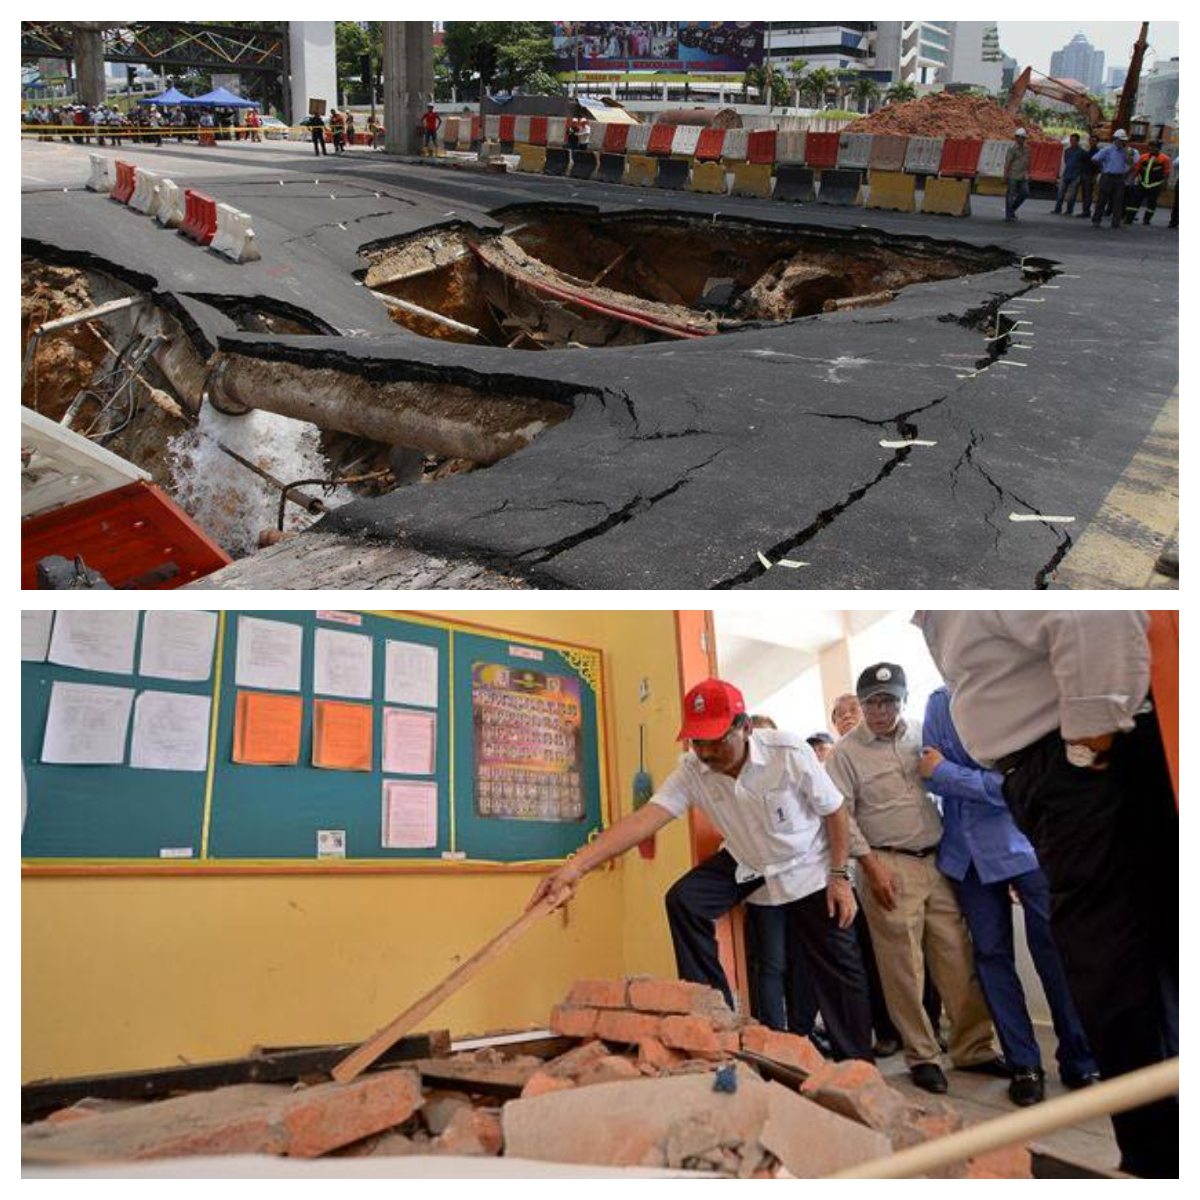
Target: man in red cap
[{"x": 787, "y": 840}]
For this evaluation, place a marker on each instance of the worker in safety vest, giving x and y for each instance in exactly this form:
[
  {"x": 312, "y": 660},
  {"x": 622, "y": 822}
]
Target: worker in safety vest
[{"x": 1152, "y": 170}]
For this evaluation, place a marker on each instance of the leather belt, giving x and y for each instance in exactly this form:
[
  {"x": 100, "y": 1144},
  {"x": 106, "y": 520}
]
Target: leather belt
[{"x": 911, "y": 853}]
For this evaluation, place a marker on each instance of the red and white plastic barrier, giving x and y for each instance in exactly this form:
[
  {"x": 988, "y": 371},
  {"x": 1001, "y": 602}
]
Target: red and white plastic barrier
[
  {"x": 143, "y": 198},
  {"x": 126, "y": 182},
  {"x": 168, "y": 212},
  {"x": 200, "y": 217},
  {"x": 101, "y": 179},
  {"x": 234, "y": 236}
]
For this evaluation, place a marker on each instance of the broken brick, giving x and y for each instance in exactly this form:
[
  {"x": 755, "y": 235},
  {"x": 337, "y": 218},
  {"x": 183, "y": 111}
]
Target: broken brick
[
  {"x": 440, "y": 1107},
  {"x": 674, "y": 996},
  {"x": 608, "y": 1070},
  {"x": 857, "y": 1090},
  {"x": 570, "y": 1021},
  {"x": 651, "y": 1052},
  {"x": 788, "y": 1048},
  {"x": 543, "y": 1082},
  {"x": 693, "y": 1034},
  {"x": 472, "y": 1131},
  {"x": 628, "y": 1027},
  {"x": 1009, "y": 1162},
  {"x": 597, "y": 993},
  {"x": 244, "y": 1119},
  {"x": 567, "y": 1066}
]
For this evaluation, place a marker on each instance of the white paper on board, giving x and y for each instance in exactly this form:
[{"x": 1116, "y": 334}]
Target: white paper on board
[
  {"x": 86, "y": 723},
  {"x": 35, "y": 633},
  {"x": 268, "y": 654},
  {"x": 95, "y": 639},
  {"x": 412, "y": 674},
  {"x": 170, "y": 732},
  {"x": 409, "y": 815},
  {"x": 178, "y": 645},
  {"x": 342, "y": 664},
  {"x": 409, "y": 741}
]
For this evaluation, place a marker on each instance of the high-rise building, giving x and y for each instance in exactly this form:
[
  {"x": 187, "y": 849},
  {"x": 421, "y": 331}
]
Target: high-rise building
[
  {"x": 915, "y": 51},
  {"x": 975, "y": 55},
  {"x": 833, "y": 45},
  {"x": 1158, "y": 94},
  {"x": 1079, "y": 59},
  {"x": 1115, "y": 77}
]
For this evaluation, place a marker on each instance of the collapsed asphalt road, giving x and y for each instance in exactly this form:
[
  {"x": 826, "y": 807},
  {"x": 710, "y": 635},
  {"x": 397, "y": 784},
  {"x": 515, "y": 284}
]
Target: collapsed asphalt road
[{"x": 719, "y": 461}]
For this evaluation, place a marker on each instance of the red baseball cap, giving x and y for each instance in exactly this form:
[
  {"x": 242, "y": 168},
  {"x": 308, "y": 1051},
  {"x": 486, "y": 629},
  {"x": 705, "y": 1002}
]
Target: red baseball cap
[{"x": 709, "y": 709}]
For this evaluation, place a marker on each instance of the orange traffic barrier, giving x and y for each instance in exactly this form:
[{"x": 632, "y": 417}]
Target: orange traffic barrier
[
  {"x": 711, "y": 145},
  {"x": 126, "y": 182},
  {"x": 200, "y": 221}
]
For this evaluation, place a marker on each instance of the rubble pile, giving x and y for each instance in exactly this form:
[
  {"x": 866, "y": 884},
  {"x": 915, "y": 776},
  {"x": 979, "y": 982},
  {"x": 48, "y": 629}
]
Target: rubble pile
[
  {"x": 945, "y": 115},
  {"x": 640, "y": 1072}
]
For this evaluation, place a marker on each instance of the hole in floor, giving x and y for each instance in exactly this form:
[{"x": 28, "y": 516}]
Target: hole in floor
[{"x": 563, "y": 280}]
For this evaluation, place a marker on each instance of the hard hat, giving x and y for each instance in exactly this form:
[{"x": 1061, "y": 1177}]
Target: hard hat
[
  {"x": 1020, "y": 133},
  {"x": 1120, "y": 136}
]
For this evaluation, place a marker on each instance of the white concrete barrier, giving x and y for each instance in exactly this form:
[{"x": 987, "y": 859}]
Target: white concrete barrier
[
  {"x": 789, "y": 147},
  {"x": 684, "y": 140},
  {"x": 923, "y": 155},
  {"x": 169, "y": 209},
  {"x": 491, "y": 128},
  {"x": 556, "y": 131},
  {"x": 854, "y": 151},
  {"x": 143, "y": 192},
  {"x": 737, "y": 144},
  {"x": 101, "y": 179},
  {"x": 638, "y": 139},
  {"x": 521, "y": 130},
  {"x": 234, "y": 237},
  {"x": 992, "y": 156}
]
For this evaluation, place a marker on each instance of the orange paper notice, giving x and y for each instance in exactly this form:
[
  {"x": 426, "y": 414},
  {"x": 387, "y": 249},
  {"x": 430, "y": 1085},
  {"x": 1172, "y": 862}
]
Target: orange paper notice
[
  {"x": 266, "y": 729},
  {"x": 342, "y": 735}
]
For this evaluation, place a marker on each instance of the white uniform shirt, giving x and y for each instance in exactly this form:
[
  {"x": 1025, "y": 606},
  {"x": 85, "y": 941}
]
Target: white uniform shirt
[
  {"x": 771, "y": 815},
  {"x": 1015, "y": 676}
]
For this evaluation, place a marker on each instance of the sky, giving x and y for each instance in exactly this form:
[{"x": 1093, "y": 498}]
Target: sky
[{"x": 1032, "y": 42}]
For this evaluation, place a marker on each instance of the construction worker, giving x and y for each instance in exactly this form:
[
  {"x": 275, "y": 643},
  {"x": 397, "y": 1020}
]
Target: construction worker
[
  {"x": 1074, "y": 158},
  {"x": 1113, "y": 162},
  {"x": 1087, "y": 175},
  {"x": 1152, "y": 169},
  {"x": 1016, "y": 175},
  {"x": 786, "y": 845},
  {"x": 316, "y": 125}
]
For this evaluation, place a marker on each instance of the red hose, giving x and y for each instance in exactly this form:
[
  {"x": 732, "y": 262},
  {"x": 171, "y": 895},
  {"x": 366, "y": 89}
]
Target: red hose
[{"x": 607, "y": 310}]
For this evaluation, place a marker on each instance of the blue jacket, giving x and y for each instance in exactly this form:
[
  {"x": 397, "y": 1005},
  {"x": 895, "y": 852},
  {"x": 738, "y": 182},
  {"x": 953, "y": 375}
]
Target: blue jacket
[
  {"x": 1073, "y": 159},
  {"x": 977, "y": 826}
]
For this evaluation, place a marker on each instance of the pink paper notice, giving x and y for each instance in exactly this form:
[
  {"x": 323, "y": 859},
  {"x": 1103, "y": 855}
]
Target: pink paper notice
[
  {"x": 409, "y": 815},
  {"x": 409, "y": 741}
]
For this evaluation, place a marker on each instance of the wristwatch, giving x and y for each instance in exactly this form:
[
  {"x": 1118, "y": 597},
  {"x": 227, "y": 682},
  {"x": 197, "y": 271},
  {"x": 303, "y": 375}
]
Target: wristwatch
[
  {"x": 1079, "y": 755},
  {"x": 839, "y": 873}
]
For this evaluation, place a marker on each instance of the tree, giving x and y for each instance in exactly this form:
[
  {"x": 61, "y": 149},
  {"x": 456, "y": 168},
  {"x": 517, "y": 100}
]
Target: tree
[
  {"x": 543, "y": 83},
  {"x": 901, "y": 92},
  {"x": 796, "y": 70},
  {"x": 816, "y": 84},
  {"x": 351, "y": 44},
  {"x": 844, "y": 79},
  {"x": 864, "y": 91},
  {"x": 481, "y": 54}
]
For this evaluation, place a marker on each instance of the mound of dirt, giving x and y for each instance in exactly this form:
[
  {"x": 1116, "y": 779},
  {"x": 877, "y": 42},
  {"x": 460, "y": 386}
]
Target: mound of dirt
[{"x": 946, "y": 115}]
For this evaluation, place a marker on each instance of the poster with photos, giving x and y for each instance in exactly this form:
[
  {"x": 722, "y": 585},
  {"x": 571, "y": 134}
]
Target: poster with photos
[{"x": 528, "y": 744}]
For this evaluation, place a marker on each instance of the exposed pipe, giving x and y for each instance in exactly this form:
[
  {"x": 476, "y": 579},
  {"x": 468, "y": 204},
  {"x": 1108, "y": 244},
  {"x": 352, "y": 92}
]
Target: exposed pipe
[
  {"x": 428, "y": 314},
  {"x": 61, "y": 323}
]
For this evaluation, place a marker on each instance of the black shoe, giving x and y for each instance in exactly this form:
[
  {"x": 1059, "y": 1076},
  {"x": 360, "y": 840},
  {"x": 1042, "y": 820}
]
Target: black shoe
[
  {"x": 929, "y": 1077},
  {"x": 885, "y": 1047},
  {"x": 996, "y": 1067},
  {"x": 820, "y": 1039},
  {"x": 1075, "y": 1082},
  {"x": 1028, "y": 1087}
]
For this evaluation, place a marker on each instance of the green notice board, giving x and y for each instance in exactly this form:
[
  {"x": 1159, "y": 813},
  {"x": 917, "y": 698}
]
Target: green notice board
[{"x": 518, "y": 763}]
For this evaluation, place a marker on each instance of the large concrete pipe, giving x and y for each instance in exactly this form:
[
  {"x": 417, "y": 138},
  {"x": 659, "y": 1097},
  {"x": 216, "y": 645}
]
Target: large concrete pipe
[{"x": 441, "y": 418}]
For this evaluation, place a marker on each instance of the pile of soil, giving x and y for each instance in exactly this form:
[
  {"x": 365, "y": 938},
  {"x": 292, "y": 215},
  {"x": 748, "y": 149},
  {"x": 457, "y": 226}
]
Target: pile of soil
[
  {"x": 946, "y": 115},
  {"x": 65, "y": 363}
]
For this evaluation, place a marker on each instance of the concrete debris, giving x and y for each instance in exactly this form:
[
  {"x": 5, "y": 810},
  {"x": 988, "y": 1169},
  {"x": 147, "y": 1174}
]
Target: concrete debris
[
  {"x": 664, "y": 1088},
  {"x": 945, "y": 115}
]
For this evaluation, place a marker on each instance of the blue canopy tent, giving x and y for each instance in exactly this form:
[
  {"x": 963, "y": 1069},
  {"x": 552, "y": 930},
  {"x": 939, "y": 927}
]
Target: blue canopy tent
[
  {"x": 171, "y": 96},
  {"x": 220, "y": 98}
]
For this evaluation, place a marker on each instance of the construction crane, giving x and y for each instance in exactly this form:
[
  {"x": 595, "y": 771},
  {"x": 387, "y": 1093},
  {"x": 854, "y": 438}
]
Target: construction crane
[{"x": 1068, "y": 92}]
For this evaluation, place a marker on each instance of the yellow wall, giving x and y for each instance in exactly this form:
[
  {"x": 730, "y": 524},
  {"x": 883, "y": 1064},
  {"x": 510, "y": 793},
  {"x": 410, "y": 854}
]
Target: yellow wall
[{"x": 119, "y": 974}]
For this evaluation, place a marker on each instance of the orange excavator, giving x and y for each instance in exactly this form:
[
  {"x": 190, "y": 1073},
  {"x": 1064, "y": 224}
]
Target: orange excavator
[{"x": 1068, "y": 92}]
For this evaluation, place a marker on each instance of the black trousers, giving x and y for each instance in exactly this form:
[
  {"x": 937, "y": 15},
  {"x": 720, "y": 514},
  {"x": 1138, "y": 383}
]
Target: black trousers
[
  {"x": 318, "y": 141},
  {"x": 1110, "y": 198},
  {"x": 710, "y": 890},
  {"x": 1109, "y": 843}
]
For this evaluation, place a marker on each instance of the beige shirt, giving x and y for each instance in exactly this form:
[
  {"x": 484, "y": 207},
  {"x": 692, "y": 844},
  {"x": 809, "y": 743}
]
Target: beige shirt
[
  {"x": 1016, "y": 162},
  {"x": 1015, "y": 676},
  {"x": 771, "y": 816},
  {"x": 885, "y": 795}
]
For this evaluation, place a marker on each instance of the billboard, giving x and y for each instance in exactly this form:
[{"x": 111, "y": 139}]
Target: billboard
[{"x": 658, "y": 45}]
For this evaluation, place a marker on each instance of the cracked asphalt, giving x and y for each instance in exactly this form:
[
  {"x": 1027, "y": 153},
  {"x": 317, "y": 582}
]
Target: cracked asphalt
[{"x": 696, "y": 464}]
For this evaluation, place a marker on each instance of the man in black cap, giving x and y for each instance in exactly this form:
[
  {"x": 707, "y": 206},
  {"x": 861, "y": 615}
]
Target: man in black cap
[
  {"x": 895, "y": 829},
  {"x": 821, "y": 743}
]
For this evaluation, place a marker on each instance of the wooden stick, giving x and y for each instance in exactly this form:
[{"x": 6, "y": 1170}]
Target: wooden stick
[
  {"x": 1102, "y": 1099},
  {"x": 359, "y": 1060}
]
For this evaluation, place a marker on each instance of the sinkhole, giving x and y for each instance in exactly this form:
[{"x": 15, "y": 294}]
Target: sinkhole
[{"x": 566, "y": 279}]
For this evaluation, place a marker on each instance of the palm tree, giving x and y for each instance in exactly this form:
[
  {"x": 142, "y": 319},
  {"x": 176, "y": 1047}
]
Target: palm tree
[
  {"x": 815, "y": 85},
  {"x": 843, "y": 82},
  {"x": 864, "y": 91},
  {"x": 796, "y": 70},
  {"x": 901, "y": 92}
]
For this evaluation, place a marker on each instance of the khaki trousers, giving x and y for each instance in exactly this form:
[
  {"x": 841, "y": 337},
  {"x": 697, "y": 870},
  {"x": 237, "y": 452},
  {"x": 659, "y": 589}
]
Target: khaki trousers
[{"x": 927, "y": 926}]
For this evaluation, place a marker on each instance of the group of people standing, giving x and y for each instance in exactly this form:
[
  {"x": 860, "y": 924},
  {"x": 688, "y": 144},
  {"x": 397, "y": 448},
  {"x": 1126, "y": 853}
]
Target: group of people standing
[
  {"x": 1038, "y": 775},
  {"x": 1114, "y": 181}
]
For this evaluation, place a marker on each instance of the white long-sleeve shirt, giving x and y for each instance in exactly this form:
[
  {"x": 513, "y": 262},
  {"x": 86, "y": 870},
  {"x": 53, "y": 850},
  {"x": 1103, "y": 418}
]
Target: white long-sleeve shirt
[{"x": 1015, "y": 676}]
